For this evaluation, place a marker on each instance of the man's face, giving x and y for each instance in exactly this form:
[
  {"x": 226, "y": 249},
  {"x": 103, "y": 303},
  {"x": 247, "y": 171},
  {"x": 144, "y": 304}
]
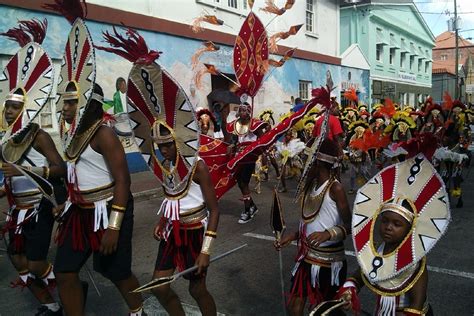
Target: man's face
[
  {"x": 243, "y": 113},
  {"x": 69, "y": 110},
  {"x": 12, "y": 110}
]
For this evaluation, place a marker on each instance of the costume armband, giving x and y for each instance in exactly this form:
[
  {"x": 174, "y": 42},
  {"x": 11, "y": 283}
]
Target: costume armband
[
  {"x": 337, "y": 233},
  {"x": 115, "y": 220},
  {"x": 206, "y": 244}
]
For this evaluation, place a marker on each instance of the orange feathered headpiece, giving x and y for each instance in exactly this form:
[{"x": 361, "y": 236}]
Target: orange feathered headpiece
[{"x": 351, "y": 95}]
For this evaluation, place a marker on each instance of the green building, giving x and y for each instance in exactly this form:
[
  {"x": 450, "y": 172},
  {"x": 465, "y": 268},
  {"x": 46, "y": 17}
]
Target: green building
[{"x": 398, "y": 45}]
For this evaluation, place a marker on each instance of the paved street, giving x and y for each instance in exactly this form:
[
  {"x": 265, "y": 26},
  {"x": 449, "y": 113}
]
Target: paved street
[{"x": 247, "y": 283}]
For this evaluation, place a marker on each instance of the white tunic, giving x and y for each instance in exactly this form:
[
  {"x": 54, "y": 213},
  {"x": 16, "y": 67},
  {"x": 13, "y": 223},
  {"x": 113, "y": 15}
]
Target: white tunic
[
  {"x": 192, "y": 199},
  {"x": 327, "y": 217},
  {"x": 92, "y": 170},
  {"x": 20, "y": 184}
]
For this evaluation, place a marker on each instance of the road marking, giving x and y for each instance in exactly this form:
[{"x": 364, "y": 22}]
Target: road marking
[{"x": 461, "y": 274}]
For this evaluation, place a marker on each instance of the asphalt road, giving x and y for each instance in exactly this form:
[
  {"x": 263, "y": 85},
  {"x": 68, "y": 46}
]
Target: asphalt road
[{"x": 248, "y": 282}]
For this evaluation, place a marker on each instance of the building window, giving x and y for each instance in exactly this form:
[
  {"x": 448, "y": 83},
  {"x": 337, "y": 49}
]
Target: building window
[
  {"x": 420, "y": 62},
  {"x": 412, "y": 62},
  {"x": 379, "y": 52},
  {"x": 403, "y": 58},
  {"x": 427, "y": 66},
  {"x": 304, "y": 89},
  {"x": 235, "y": 6},
  {"x": 310, "y": 20},
  {"x": 444, "y": 57},
  {"x": 392, "y": 55}
]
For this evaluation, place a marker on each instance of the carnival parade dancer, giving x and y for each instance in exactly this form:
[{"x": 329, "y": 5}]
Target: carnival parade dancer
[
  {"x": 29, "y": 78},
  {"x": 289, "y": 149},
  {"x": 357, "y": 157},
  {"x": 399, "y": 215},
  {"x": 97, "y": 218},
  {"x": 189, "y": 213},
  {"x": 320, "y": 263},
  {"x": 268, "y": 156},
  {"x": 242, "y": 132}
]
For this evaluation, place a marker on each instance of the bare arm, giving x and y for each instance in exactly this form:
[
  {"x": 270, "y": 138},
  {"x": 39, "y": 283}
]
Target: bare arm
[
  {"x": 203, "y": 178},
  {"x": 338, "y": 194},
  {"x": 45, "y": 145},
  {"x": 108, "y": 145},
  {"x": 417, "y": 293}
]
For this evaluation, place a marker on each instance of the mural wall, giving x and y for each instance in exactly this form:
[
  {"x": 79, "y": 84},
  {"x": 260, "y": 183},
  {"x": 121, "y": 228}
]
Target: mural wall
[{"x": 276, "y": 92}]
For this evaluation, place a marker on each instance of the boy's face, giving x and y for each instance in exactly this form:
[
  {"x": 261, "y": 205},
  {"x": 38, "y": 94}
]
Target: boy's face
[
  {"x": 12, "y": 110},
  {"x": 168, "y": 150},
  {"x": 393, "y": 228},
  {"x": 69, "y": 110}
]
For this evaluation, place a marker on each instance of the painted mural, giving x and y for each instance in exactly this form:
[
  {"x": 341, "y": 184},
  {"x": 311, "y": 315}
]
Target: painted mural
[{"x": 276, "y": 91}]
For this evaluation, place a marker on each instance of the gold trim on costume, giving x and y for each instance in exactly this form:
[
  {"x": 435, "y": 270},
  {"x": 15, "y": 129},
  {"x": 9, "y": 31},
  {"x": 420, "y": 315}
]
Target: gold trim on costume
[
  {"x": 26, "y": 200},
  {"x": 115, "y": 220},
  {"x": 15, "y": 98},
  {"x": 13, "y": 151},
  {"x": 324, "y": 255},
  {"x": 193, "y": 217},
  {"x": 372, "y": 227},
  {"x": 310, "y": 206},
  {"x": 410, "y": 283},
  {"x": 206, "y": 245},
  {"x": 241, "y": 129},
  {"x": 97, "y": 194}
]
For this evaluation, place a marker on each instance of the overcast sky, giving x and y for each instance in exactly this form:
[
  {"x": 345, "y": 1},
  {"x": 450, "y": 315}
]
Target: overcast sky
[{"x": 438, "y": 21}]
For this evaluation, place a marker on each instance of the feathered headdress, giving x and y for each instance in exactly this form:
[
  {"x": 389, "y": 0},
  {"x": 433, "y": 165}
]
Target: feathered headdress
[
  {"x": 388, "y": 110},
  {"x": 132, "y": 47},
  {"x": 351, "y": 95},
  {"x": 70, "y": 9},
  {"x": 162, "y": 113},
  {"x": 28, "y": 78},
  {"x": 77, "y": 77}
]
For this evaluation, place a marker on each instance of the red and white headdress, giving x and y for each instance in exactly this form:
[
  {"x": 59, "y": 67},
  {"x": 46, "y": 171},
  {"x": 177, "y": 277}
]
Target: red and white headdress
[
  {"x": 29, "y": 70},
  {"x": 158, "y": 102},
  {"x": 78, "y": 69},
  {"x": 416, "y": 181}
]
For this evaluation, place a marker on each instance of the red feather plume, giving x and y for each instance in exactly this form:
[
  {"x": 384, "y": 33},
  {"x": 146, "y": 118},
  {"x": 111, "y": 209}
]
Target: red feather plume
[
  {"x": 388, "y": 110},
  {"x": 322, "y": 96},
  {"x": 351, "y": 95},
  {"x": 27, "y": 31},
  {"x": 132, "y": 47},
  {"x": 70, "y": 9},
  {"x": 448, "y": 101}
]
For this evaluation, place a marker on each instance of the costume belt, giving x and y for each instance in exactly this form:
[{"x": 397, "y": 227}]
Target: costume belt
[
  {"x": 26, "y": 200},
  {"x": 96, "y": 194},
  {"x": 193, "y": 216},
  {"x": 325, "y": 255}
]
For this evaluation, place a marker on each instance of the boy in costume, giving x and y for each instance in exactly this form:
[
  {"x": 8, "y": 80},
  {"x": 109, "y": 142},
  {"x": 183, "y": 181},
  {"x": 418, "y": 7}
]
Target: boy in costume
[
  {"x": 27, "y": 85},
  {"x": 410, "y": 204},
  {"x": 97, "y": 218},
  {"x": 321, "y": 265},
  {"x": 167, "y": 133}
]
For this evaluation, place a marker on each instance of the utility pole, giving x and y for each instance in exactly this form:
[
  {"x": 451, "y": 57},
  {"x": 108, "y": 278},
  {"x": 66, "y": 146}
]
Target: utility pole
[{"x": 456, "y": 32}]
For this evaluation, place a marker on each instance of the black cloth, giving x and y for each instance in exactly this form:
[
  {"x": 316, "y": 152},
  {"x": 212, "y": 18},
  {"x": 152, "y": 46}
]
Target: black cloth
[
  {"x": 324, "y": 290},
  {"x": 181, "y": 257},
  {"x": 115, "y": 267},
  {"x": 36, "y": 232},
  {"x": 245, "y": 172}
]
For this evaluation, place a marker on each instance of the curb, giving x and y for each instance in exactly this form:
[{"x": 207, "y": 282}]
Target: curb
[{"x": 147, "y": 194}]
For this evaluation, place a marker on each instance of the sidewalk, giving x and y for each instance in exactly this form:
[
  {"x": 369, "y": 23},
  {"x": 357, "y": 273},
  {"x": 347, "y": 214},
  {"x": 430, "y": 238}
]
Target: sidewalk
[{"x": 145, "y": 186}]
